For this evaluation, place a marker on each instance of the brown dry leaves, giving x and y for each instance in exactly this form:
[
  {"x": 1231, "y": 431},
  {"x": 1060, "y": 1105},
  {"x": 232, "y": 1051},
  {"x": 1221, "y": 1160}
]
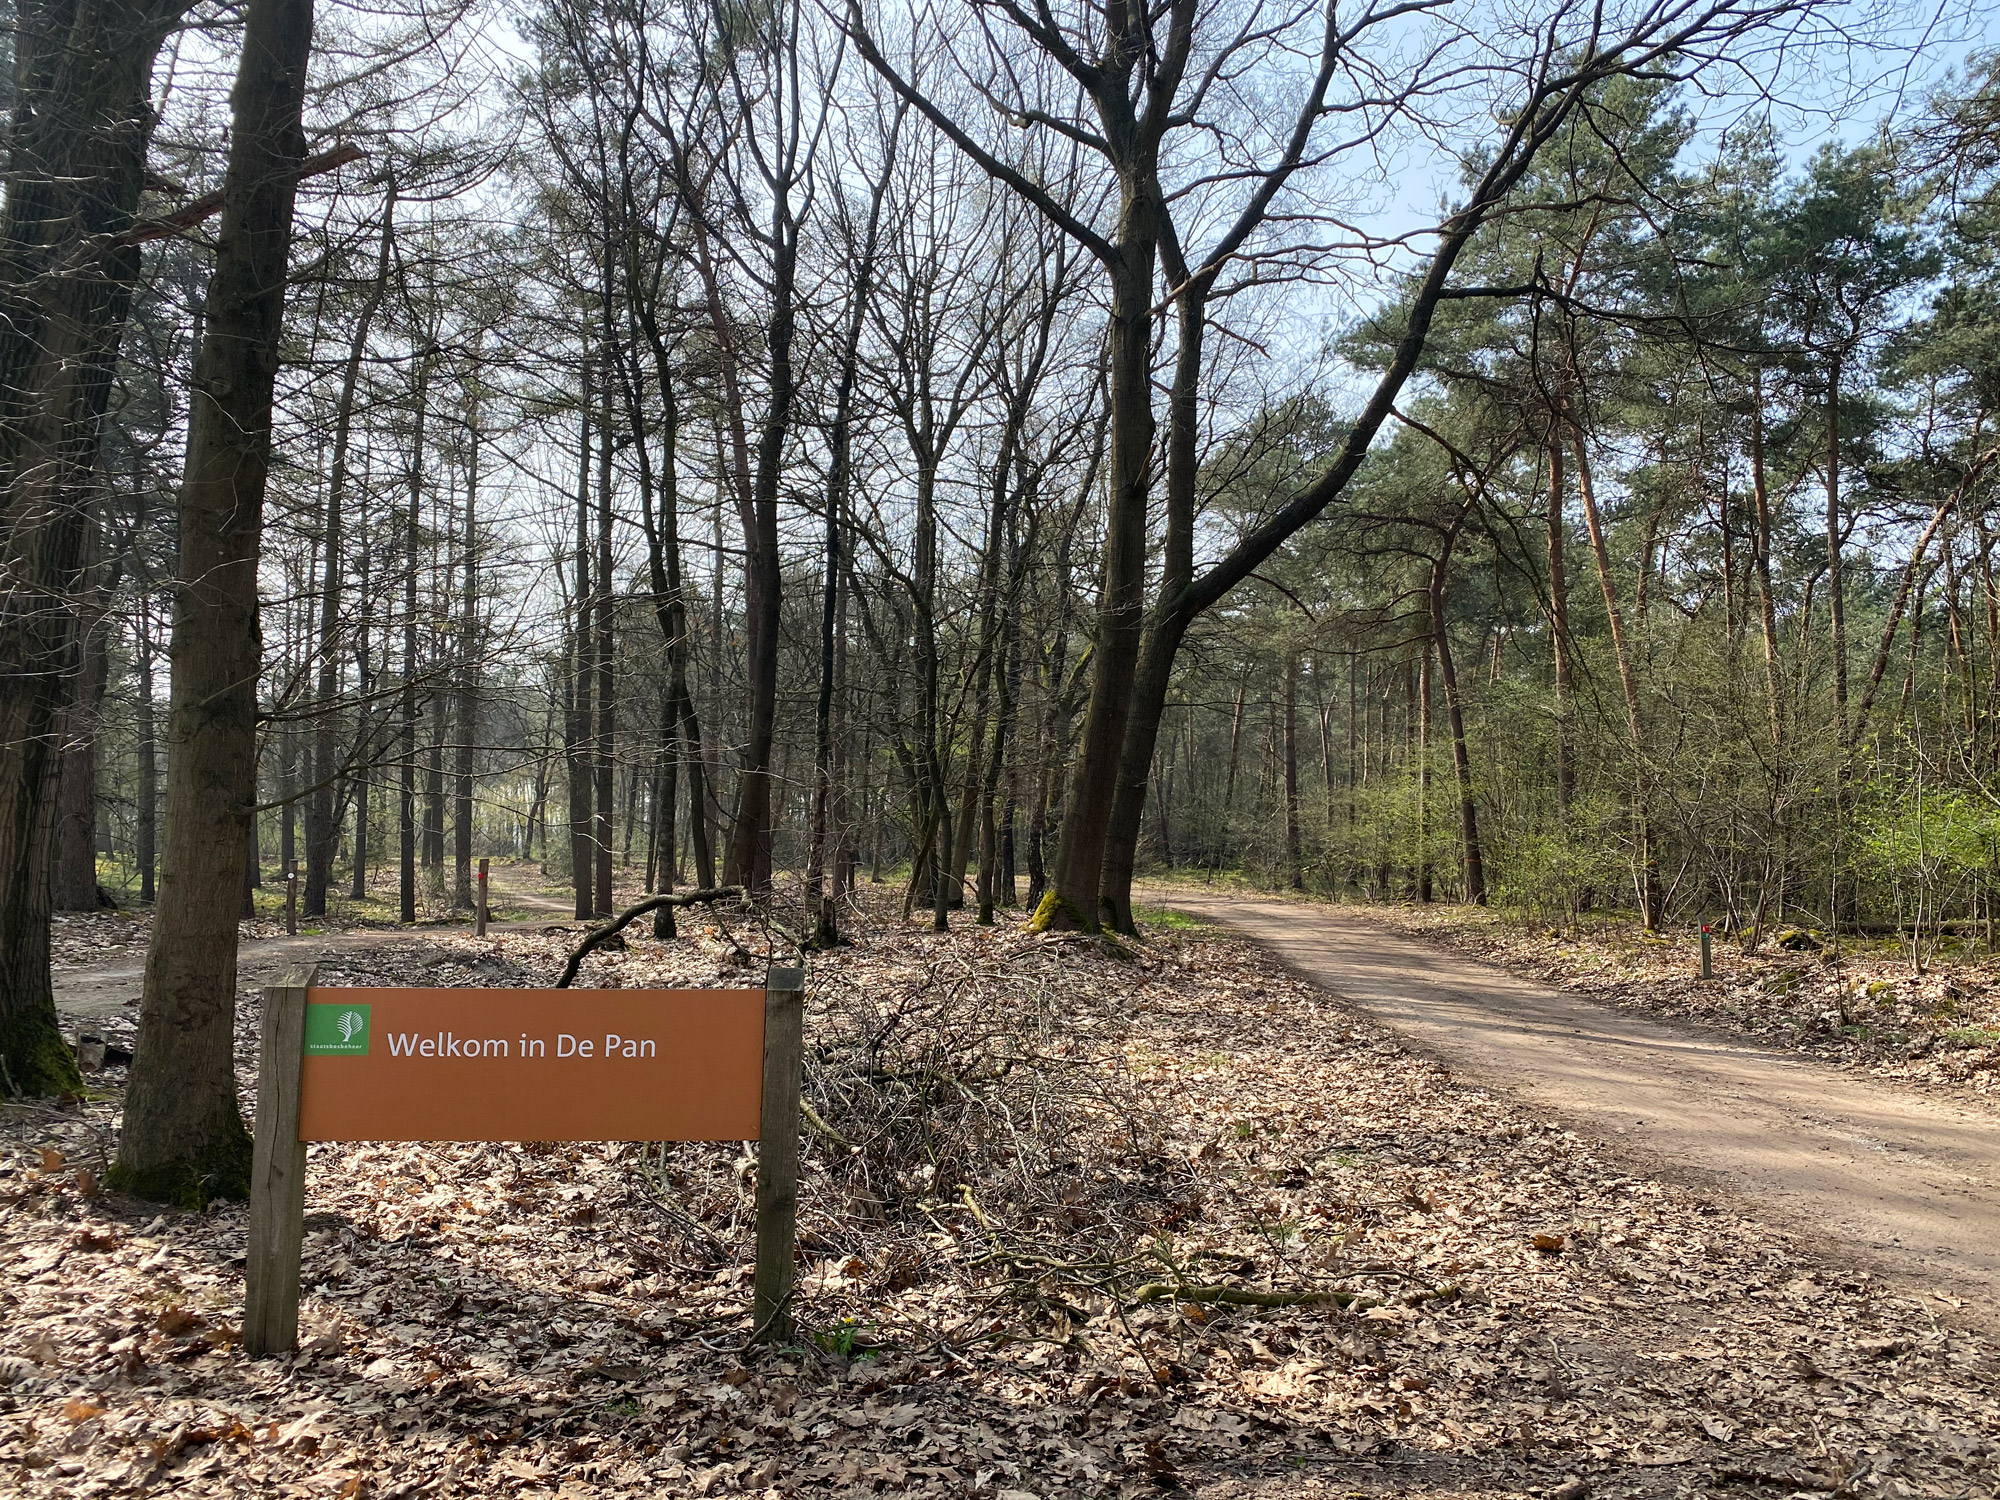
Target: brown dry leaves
[{"x": 1030, "y": 1133}]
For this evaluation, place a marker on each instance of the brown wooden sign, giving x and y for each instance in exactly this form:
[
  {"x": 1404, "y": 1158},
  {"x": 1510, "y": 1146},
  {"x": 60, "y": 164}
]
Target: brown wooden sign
[
  {"x": 521, "y": 1065},
  {"x": 531, "y": 1065}
]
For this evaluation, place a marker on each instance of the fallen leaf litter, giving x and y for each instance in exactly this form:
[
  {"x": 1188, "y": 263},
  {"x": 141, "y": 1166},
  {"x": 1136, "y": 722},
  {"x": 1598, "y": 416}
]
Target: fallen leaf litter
[{"x": 1047, "y": 1192}]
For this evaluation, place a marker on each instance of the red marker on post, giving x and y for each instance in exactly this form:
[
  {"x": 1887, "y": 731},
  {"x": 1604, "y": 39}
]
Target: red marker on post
[{"x": 1707, "y": 970}]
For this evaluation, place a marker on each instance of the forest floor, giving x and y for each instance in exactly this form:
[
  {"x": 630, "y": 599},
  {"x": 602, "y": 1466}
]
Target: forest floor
[{"x": 1058, "y": 1166}]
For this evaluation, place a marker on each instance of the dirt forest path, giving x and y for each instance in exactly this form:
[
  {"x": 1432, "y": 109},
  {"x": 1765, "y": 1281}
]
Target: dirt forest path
[
  {"x": 89, "y": 990},
  {"x": 1907, "y": 1183}
]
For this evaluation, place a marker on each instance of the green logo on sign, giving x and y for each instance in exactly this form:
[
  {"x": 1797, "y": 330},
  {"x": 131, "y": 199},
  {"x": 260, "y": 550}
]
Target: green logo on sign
[{"x": 337, "y": 1030}]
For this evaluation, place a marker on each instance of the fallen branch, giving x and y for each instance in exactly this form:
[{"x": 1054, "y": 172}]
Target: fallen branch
[
  {"x": 618, "y": 923},
  {"x": 823, "y": 1130},
  {"x": 1160, "y": 1291}
]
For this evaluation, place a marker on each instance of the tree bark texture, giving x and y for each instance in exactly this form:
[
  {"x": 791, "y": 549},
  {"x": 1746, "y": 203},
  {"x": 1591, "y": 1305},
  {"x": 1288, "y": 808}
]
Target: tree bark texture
[
  {"x": 184, "y": 1139},
  {"x": 76, "y": 158}
]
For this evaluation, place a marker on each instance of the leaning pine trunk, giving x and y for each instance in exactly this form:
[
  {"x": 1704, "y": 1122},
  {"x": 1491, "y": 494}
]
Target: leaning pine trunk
[{"x": 183, "y": 1139}]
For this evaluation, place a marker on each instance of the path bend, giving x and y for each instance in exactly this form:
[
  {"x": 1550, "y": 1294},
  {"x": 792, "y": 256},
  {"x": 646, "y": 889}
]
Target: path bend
[{"x": 1905, "y": 1182}]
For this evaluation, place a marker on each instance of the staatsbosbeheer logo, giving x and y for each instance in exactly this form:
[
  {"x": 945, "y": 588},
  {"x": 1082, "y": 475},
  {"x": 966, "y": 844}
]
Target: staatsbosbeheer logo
[{"x": 337, "y": 1030}]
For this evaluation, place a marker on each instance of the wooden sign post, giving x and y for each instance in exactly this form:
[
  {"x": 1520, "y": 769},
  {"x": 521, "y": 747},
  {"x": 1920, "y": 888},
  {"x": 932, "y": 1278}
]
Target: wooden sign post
[
  {"x": 479, "y": 899},
  {"x": 778, "y": 1154},
  {"x": 277, "y": 1175},
  {"x": 510, "y": 1065}
]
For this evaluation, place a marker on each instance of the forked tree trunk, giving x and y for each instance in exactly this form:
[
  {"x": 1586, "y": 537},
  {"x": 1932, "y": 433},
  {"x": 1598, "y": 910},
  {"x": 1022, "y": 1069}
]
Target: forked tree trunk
[{"x": 183, "y": 1139}]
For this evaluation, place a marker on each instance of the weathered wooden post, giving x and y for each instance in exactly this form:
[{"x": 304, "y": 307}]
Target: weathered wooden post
[
  {"x": 479, "y": 901},
  {"x": 277, "y": 1175},
  {"x": 1707, "y": 968},
  {"x": 778, "y": 1154},
  {"x": 292, "y": 899}
]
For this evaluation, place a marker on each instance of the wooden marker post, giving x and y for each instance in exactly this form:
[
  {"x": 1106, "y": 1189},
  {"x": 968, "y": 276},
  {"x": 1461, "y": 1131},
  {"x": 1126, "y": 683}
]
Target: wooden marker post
[
  {"x": 778, "y": 1154},
  {"x": 479, "y": 901},
  {"x": 1707, "y": 965},
  {"x": 292, "y": 901},
  {"x": 277, "y": 1175}
]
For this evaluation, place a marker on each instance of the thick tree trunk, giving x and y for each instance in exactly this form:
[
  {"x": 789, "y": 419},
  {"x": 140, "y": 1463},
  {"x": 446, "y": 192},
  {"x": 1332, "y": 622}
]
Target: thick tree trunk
[
  {"x": 76, "y": 158},
  {"x": 1074, "y": 898},
  {"x": 183, "y": 1139},
  {"x": 1154, "y": 674}
]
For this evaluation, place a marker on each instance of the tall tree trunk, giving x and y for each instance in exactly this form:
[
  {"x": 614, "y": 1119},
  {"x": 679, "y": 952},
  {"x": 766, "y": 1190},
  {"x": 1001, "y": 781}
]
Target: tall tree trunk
[
  {"x": 1073, "y": 899},
  {"x": 602, "y": 746},
  {"x": 468, "y": 681},
  {"x": 76, "y": 161},
  {"x": 322, "y": 827},
  {"x": 1648, "y": 864},
  {"x": 1295, "y": 865},
  {"x": 1425, "y": 874},
  {"x": 411, "y": 705},
  {"x": 146, "y": 834},
  {"x": 73, "y": 884},
  {"x": 1844, "y": 905},
  {"x": 1774, "y": 688},
  {"x": 1167, "y": 625},
  {"x": 1461, "y": 759},
  {"x": 576, "y": 722},
  {"x": 1559, "y": 639},
  {"x": 183, "y": 1138},
  {"x": 365, "y": 742},
  {"x": 748, "y": 862}
]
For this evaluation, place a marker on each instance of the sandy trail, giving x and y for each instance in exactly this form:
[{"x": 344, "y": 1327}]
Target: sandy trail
[
  {"x": 107, "y": 989},
  {"x": 1908, "y": 1183}
]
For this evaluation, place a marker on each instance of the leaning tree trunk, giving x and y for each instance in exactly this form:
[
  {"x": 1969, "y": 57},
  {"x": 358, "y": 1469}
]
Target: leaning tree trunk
[
  {"x": 183, "y": 1139},
  {"x": 75, "y": 164}
]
